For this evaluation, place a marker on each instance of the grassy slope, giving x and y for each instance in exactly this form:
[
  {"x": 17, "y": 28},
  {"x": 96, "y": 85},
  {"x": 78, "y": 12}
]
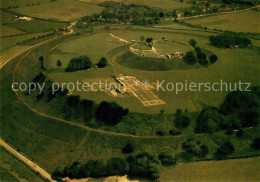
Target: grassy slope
[
  {"x": 237, "y": 22},
  {"x": 226, "y": 170},
  {"x": 13, "y": 170},
  {"x": 7, "y": 31}
]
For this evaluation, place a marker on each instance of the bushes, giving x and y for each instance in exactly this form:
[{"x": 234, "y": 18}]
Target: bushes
[
  {"x": 128, "y": 148},
  {"x": 227, "y": 40},
  {"x": 79, "y": 63}
]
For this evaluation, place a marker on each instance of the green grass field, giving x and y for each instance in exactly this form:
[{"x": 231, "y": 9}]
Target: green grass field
[
  {"x": 7, "y": 31},
  {"x": 13, "y": 170},
  {"x": 226, "y": 170},
  {"x": 36, "y": 26},
  {"x": 64, "y": 10},
  {"x": 52, "y": 142},
  {"x": 238, "y": 22},
  {"x": 8, "y": 42},
  {"x": 231, "y": 67}
]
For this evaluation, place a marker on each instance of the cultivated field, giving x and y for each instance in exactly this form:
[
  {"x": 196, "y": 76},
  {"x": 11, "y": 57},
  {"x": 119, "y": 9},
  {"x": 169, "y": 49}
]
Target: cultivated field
[
  {"x": 238, "y": 22},
  {"x": 64, "y": 10},
  {"x": 226, "y": 170}
]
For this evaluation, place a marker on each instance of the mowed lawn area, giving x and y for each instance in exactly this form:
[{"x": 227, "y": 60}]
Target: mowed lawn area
[
  {"x": 232, "y": 66},
  {"x": 64, "y": 10},
  {"x": 238, "y": 22},
  {"x": 226, "y": 170},
  {"x": 13, "y": 170}
]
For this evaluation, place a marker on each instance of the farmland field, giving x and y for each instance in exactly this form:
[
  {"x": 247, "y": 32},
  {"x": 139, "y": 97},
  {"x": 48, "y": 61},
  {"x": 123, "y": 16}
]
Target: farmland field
[
  {"x": 226, "y": 170},
  {"x": 64, "y": 10},
  {"x": 237, "y": 22}
]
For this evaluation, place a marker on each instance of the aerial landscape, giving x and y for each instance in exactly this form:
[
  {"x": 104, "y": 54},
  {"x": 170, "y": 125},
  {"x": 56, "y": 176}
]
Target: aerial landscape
[{"x": 129, "y": 90}]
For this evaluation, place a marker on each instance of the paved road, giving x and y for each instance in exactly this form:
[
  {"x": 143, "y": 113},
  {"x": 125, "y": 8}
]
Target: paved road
[
  {"x": 29, "y": 48},
  {"x": 27, "y": 161}
]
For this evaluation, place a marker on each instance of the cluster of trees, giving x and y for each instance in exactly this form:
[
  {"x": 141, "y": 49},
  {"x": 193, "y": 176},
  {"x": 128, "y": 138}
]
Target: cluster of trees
[
  {"x": 199, "y": 56},
  {"x": 79, "y": 63},
  {"x": 110, "y": 113},
  {"x": 193, "y": 148},
  {"x": 82, "y": 63},
  {"x": 229, "y": 40},
  {"x": 141, "y": 165},
  {"x": 239, "y": 110},
  {"x": 240, "y": 2}
]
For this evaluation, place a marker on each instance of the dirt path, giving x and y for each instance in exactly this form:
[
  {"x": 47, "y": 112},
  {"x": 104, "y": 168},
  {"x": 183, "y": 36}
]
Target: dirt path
[
  {"x": 27, "y": 161},
  {"x": 118, "y": 38}
]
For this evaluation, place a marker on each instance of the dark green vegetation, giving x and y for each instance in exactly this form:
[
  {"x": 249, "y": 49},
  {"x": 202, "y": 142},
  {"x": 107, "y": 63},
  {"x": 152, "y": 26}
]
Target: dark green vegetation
[
  {"x": 142, "y": 165},
  {"x": 229, "y": 40},
  {"x": 199, "y": 56},
  {"x": 102, "y": 62},
  {"x": 79, "y": 63}
]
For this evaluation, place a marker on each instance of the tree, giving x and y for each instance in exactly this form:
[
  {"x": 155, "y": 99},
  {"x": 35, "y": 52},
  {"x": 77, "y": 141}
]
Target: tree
[
  {"x": 144, "y": 165},
  {"x": 192, "y": 42},
  {"x": 149, "y": 40},
  {"x": 110, "y": 113},
  {"x": 213, "y": 58},
  {"x": 59, "y": 63},
  {"x": 181, "y": 121},
  {"x": 166, "y": 159},
  {"x": 174, "y": 14},
  {"x": 102, "y": 62},
  {"x": 203, "y": 151},
  {"x": 142, "y": 38},
  {"x": 117, "y": 166},
  {"x": 189, "y": 58},
  {"x": 256, "y": 143},
  {"x": 128, "y": 148},
  {"x": 224, "y": 150}
]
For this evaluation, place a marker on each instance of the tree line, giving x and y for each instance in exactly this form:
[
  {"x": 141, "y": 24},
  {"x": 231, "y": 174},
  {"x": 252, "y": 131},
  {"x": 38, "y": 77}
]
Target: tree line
[
  {"x": 82, "y": 63},
  {"x": 229, "y": 40}
]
